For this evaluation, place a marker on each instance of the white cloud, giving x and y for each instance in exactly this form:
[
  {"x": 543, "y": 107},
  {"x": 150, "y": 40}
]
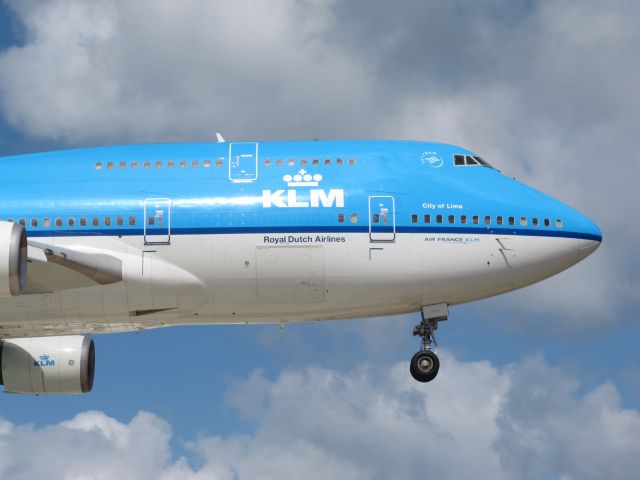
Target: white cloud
[
  {"x": 113, "y": 70},
  {"x": 475, "y": 421}
]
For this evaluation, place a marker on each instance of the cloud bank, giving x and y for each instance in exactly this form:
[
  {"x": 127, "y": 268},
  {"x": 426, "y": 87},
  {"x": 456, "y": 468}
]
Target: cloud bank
[{"x": 527, "y": 420}]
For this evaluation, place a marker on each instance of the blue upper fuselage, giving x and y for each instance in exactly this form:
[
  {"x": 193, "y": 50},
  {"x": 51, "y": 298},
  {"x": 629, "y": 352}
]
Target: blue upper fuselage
[{"x": 272, "y": 187}]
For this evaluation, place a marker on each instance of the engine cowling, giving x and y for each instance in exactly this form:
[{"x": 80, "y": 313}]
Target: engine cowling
[
  {"x": 47, "y": 365},
  {"x": 13, "y": 258}
]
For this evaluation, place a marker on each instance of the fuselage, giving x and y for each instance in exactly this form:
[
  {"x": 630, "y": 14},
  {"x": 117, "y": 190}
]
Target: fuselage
[{"x": 272, "y": 232}]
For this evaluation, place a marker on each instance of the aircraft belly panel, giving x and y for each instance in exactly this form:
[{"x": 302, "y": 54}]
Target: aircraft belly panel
[{"x": 290, "y": 274}]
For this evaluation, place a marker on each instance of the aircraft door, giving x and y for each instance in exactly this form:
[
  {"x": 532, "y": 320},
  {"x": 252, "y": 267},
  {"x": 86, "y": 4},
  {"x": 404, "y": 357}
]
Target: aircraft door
[
  {"x": 157, "y": 221},
  {"x": 243, "y": 162},
  {"x": 382, "y": 218}
]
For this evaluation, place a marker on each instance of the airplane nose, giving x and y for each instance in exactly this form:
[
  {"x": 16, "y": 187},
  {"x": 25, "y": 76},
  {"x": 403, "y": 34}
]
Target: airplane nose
[
  {"x": 586, "y": 248},
  {"x": 591, "y": 240}
]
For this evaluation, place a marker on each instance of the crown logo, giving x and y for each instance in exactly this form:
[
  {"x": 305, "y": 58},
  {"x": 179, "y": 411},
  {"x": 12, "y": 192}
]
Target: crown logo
[
  {"x": 303, "y": 179},
  {"x": 44, "y": 357}
]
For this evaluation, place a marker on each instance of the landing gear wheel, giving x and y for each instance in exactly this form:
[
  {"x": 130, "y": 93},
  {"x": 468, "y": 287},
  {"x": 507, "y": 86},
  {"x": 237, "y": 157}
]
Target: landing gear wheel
[{"x": 424, "y": 366}]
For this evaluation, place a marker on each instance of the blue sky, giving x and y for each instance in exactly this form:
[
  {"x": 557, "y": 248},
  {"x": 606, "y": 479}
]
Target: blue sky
[{"x": 533, "y": 86}]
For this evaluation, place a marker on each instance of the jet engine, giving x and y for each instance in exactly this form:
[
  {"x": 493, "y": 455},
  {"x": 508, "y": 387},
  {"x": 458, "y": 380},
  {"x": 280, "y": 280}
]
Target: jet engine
[
  {"x": 47, "y": 365},
  {"x": 13, "y": 258}
]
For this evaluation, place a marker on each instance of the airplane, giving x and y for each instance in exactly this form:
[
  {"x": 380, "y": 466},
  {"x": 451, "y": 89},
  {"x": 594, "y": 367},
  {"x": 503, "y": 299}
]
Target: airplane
[{"x": 128, "y": 238}]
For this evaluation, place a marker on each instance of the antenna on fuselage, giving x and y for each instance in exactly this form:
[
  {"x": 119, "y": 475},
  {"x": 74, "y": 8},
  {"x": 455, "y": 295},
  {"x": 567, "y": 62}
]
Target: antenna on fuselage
[{"x": 219, "y": 137}]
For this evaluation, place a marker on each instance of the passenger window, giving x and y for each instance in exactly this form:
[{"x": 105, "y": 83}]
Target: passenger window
[
  {"x": 341, "y": 218},
  {"x": 463, "y": 219},
  {"x": 352, "y": 161},
  {"x": 438, "y": 218},
  {"x": 123, "y": 165},
  {"x": 339, "y": 161},
  {"x": 34, "y": 222},
  {"x": 119, "y": 221},
  {"x": 315, "y": 161},
  {"x": 183, "y": 163},
  {"x": 134, "y": 165},
  {"x": 218, "y": 163},
  {"x": 534, "y": 221},
  {"x": 523, "y": 221},
  {"x": 110, "y": 166},
  {"x": 547, "y": 222},
  {"x": 22, "y": 221},
  {"x": 46, "y": 222},
  {"x": 458, "y": 160},
  {"x": 206, "y": 163},
  {"x": 499, "y": 220},
  {"x": 158, "y": 164},
  {"x": 146, "y": 164},
  {"x": 452, "y": 219},
  {"x": 151, "y": 220},
  {"x": 267, "y": 162},
  {"x": 512, "y": 220},
  {"x": 132, "y": 221},
  {"x": 291, "y": 162},
  {"x": 99, "y": 166},
  {"x": 107, "y": 221},
  {"x": 194, "y": 164},
  {"x": 427, "y": 218},
  {"x": 58, "y": 222},
  {"x": 376, "y": 218},
  {"x": 303, "y": 162},
  {"x": 354, "y": 218},
  {"x": 414, "y": 218},
  {"x": 487, "y": 220},
  {"x": 95, "y": 221},
  {"x": 83, "y": 221},
  {"x": 279, "y": 162},
  {"x": 559, "y": 223},
  {"x": 476, "y": 220},
  {"x": 171, "y": 164},
  {"x": 71, "y": 222},
  {"x": 327, "y": 161}
]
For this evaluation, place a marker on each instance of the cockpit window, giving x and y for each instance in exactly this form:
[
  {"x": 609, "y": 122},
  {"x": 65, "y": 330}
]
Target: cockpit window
[
  {"x": 482, "y": 162},
  {"x": 470, "y": 160}
]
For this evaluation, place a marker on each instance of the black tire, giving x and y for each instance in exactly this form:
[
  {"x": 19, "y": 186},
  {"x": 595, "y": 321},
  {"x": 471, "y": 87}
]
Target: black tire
[{"x": 424, "y": 366}]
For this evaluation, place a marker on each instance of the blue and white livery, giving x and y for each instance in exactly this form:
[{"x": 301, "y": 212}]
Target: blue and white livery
[{"x": 115, "y": 239}]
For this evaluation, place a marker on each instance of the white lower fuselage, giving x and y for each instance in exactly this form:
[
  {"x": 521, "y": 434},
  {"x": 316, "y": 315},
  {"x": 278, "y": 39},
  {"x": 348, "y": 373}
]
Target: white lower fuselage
[{"x": 259, "y": 278}]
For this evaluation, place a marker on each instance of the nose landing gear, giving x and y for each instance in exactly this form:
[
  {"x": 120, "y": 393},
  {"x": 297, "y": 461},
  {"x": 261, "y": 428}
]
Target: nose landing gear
[{"x": 425, "y": 364}]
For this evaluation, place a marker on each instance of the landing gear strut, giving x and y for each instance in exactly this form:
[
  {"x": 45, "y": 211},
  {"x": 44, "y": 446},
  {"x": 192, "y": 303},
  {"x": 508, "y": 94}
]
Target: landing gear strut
[{"x": 424, "y": 365}]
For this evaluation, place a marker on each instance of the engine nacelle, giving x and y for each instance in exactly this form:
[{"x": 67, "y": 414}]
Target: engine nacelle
[
  {"x": 47, "y": 365},
  {"x": 13, "y": 258}
]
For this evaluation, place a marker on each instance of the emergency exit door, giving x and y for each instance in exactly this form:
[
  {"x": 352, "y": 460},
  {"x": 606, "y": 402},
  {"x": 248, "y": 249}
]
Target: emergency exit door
[
  {"x": 243, "y": 162},
  {"x": 157, "y": 221},
  {"x": 382, "y": 218}
]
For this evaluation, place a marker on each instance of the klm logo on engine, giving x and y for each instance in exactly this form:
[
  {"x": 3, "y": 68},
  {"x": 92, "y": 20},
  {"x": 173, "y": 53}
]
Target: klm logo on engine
[
  {"x": 313, "y": 197},
  {"x": 44, "y": 361}
]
